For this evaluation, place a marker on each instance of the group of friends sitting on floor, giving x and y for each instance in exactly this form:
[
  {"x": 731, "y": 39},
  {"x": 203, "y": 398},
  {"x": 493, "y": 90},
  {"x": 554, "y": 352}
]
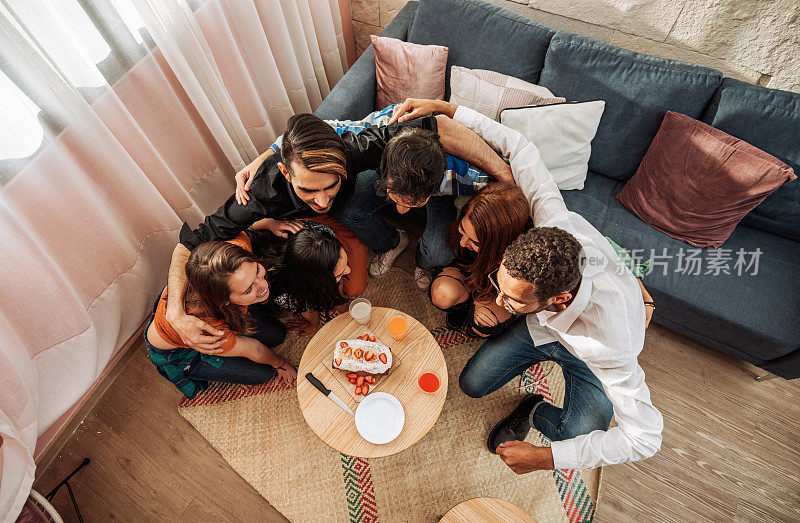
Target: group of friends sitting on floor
[{"x": 511, "y": 265}]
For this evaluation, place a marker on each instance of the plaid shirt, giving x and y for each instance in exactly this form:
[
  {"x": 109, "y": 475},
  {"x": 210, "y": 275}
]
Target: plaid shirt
[
  {"x": 172, "y": 364},
  {"x": 460, "y": 177}
]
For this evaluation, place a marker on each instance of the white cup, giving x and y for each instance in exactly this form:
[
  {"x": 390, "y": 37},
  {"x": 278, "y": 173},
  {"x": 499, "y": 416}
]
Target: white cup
[{"x": 360, "y": 310}]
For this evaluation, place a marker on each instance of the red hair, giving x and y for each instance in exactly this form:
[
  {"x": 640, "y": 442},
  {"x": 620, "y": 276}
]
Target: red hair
[{"x": 499, "y": 213}]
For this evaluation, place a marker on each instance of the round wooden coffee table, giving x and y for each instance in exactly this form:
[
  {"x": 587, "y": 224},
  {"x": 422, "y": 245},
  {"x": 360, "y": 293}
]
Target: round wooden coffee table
[
  {"x": 418, "y": 351},
  {"x": 487, "y": 510}
]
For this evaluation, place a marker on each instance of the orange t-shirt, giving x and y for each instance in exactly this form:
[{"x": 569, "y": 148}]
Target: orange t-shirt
[{"x": 169, "y": 334}]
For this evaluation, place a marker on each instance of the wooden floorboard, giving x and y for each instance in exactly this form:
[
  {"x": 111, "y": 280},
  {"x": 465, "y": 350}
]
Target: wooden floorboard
[
  {"x": 731, "y": 449},
  {"x": 148, "y": 463}
]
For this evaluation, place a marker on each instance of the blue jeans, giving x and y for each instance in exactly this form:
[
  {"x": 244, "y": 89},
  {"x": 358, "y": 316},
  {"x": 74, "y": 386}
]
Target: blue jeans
[
  {"x": 268, "y": 330},
  {"x": 586, "y": 406},
  {"x": 360, "y": 215}
]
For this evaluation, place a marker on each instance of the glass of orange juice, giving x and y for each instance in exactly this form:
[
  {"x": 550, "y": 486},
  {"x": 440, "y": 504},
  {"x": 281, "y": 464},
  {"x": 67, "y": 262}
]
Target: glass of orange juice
[{"x": 397, "y": 326}]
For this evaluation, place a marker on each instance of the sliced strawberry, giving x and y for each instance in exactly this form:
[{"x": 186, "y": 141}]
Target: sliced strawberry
[
  {"x": 364, "y": 389},
  {"x": 382, "y": 357},
  {"x": 348, "y": 351},
  {"x": 358, "y": 353},
  {"x": 371, "y": 338},
  {"x": 368, "y": 355},
  {"x": 370, "y": 379},
  {"x": 352, "y": 380},
  {"x": 352, "y": 375},
  {"x": 358, "y": 391},
  {"x": 360, "y": 381},
  {"x": 337, "y": 361},
  {"x": 343, "y": 344}
]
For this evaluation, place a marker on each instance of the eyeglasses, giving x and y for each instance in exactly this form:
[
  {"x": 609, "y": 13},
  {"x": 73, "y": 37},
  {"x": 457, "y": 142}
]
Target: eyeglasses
[{"x": 493, "y": 280}]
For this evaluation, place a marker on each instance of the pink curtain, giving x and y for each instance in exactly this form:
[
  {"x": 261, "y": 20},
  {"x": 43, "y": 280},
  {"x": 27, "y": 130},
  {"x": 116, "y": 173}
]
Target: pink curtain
[{"x": 144, "y": 110}]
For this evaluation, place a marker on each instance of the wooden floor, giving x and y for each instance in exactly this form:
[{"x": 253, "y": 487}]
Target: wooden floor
[{"x": 731, "y": 450}]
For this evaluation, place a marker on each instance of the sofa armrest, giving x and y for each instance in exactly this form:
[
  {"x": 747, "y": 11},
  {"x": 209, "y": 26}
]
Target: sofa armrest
[{"x": 353, "y": 97}]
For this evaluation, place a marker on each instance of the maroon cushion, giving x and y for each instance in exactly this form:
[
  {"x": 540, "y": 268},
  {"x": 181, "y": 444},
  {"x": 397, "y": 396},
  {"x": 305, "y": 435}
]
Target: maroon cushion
[{"x": 696, "y": 182}]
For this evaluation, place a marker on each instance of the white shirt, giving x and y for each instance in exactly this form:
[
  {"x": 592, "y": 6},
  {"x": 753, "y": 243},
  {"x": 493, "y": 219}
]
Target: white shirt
[{"x": 604, "y": 324}]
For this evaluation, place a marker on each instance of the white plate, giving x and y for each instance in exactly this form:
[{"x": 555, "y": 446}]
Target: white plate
[{"x": 380, "y": 418}]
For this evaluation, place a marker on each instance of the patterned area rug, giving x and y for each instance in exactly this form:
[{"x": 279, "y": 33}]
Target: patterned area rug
[{"x": 261, "y": 432}]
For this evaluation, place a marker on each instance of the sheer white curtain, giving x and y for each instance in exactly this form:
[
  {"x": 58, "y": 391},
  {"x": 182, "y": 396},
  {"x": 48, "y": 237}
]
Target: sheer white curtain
[{"x": 119, "y": 119}]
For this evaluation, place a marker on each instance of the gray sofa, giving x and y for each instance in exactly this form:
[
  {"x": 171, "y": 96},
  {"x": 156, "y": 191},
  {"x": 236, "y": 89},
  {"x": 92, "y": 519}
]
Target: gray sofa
[{"x": 752, "y": 315}]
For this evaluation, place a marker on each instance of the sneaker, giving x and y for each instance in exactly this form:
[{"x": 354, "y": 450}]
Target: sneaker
[
  {"x": 423, "y": 278},
  {"x": 383, "y": 262},
  {"x": 515, "y": 426}
]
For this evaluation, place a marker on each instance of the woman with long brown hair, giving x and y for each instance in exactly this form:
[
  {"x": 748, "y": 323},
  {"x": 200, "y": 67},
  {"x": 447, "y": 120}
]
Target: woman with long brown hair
[
  {"x": 227, "y": 289},
  {"x": 486, "y": 225}
]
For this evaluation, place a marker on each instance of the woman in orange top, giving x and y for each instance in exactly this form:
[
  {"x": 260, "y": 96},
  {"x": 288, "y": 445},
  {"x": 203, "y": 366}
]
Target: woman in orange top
[{"x": 227, "y": 284}]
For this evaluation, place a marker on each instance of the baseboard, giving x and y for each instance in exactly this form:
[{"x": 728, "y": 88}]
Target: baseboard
[{"x": 81, "y": 409}]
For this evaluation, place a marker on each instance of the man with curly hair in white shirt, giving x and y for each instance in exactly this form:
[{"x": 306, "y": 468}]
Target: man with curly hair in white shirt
[{"x": 582, "y": 309}]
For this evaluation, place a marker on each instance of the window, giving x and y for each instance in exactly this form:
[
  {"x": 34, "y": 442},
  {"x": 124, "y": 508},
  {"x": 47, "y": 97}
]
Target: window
[{"x": 83, "y": 45}]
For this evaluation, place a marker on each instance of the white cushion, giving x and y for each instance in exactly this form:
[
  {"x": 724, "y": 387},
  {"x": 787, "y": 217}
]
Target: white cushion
[
  {"x": 489, "y": 92},
  {"x": 563, "y": 133}
]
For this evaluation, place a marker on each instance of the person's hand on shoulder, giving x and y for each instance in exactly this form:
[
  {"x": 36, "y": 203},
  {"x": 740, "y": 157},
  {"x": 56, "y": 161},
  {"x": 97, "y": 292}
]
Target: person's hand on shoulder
[
  {"x": 198, "y": 334},
  {"x": 416, "y": 107},
  {"x": 280, "y": 228},
  {"x": 244, "y": 178}
]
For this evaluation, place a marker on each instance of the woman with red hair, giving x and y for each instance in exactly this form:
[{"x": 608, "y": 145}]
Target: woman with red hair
[
  {"x": 489, "y": 222},
  {"x": 486, "y": 225}
]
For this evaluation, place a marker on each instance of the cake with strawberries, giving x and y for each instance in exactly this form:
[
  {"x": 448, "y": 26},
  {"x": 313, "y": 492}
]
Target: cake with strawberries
[{"x": 360, "y": 355}]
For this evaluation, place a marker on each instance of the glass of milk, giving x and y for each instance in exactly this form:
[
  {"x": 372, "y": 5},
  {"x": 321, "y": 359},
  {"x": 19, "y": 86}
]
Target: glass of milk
[{"x": 360, "y": 309}]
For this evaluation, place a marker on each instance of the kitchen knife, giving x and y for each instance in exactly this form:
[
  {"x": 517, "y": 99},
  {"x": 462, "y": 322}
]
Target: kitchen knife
[{"x": 331, "y": 396}]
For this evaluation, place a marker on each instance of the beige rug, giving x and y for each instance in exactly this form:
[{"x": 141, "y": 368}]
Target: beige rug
[{"x": 260, "y": 431}]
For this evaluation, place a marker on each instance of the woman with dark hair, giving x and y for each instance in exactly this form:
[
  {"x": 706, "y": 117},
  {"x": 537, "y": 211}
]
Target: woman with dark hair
[
  {"x": 226, "y": 286},
  {"x": 309, "y": 274},
  {"x": 485, "y": 226}
]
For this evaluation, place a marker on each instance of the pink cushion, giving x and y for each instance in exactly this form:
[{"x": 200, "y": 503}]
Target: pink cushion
[
  {"x": 405, "y": 70},
  {"x": 696, "y": 182},
  {"x": 489, "y": 92}
]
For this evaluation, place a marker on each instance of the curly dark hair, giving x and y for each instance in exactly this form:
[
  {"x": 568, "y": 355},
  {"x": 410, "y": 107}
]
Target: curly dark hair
[
  {"x": 305, "y": 270},
  {"x": 412, "y": 165},
  {"x": 547, "y": 257}
]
